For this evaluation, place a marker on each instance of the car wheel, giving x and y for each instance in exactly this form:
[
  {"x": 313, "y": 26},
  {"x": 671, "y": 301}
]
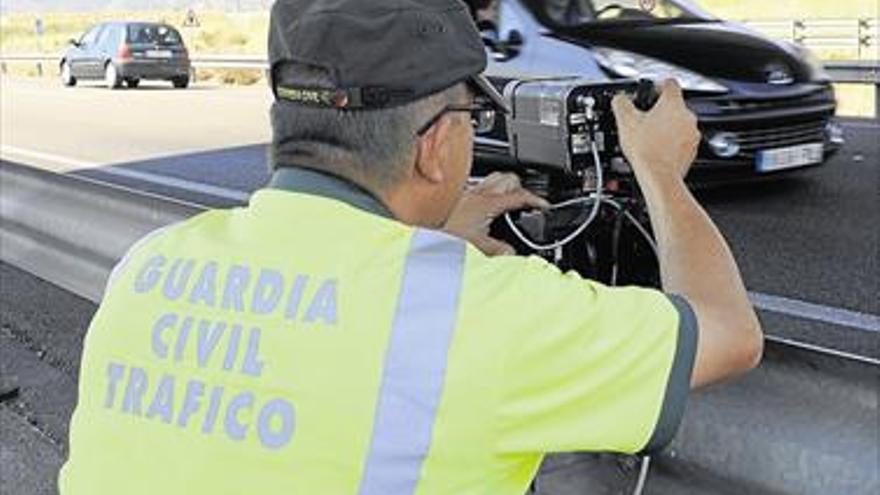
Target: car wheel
[
  {"x": 111, "y": 76},
  {"x": 180, "y": 82},
  {"x": 132, "y": 83},
  {"x": 66, "y": 76}
]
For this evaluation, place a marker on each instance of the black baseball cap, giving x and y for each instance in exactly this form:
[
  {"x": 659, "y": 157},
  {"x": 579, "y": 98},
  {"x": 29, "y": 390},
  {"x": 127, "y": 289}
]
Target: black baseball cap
[{"x": 379, "y": 53}]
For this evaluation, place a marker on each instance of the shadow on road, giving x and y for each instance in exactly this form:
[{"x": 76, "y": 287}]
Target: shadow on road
[
  {"x": 217, "y": 178},
  {"x": 772, "y": 188},
  {"x": 97, "y": 85}
]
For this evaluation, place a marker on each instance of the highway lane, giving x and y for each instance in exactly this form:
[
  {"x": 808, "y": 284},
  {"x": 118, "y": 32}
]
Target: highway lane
[
  {"x": 92, "y": 125},
  {"x": 810, "y": 237}
]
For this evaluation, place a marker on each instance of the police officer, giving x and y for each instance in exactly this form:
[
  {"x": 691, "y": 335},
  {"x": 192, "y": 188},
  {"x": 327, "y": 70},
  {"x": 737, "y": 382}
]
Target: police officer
[{"x": 331, "y": 338}]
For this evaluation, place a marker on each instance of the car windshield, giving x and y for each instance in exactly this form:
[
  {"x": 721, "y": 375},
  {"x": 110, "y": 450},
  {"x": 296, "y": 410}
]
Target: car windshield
[
  {"x": 154, "y": 34},
  {"x": 577, "y": 13}
]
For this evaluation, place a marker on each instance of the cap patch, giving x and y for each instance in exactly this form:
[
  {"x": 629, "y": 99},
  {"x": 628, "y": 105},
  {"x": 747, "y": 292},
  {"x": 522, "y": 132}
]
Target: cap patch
[
  {"x": 314, "y": 96},
  {"x": 429, "y": 26}
]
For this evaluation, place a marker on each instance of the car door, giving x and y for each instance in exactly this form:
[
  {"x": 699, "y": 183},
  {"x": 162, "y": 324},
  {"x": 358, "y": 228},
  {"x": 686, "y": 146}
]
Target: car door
[
  {"x": 87, "y": 64},
  {"x": 107, "y": 46},
  {"x": 78, "y": 58},
  {"x": 94, "y": 56}
]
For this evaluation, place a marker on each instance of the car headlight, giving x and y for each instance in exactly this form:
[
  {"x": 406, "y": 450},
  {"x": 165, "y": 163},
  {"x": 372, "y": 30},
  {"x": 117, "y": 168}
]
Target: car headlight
[
  {"x": 632, "y": 65},
  {"x": 817, "y": 70}
]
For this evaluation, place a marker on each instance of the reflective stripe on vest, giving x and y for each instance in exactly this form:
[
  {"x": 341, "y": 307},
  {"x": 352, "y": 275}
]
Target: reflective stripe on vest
[{"x": 415, "y": 364}]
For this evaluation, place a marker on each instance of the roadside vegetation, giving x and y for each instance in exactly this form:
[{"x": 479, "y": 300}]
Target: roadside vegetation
[
  {"x": 246, "y": 33},
  {"x": 791, "y": 9}
]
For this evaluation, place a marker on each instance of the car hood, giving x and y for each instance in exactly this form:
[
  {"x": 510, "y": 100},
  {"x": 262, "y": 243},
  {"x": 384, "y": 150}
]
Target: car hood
[{"x": 718, "y": 50}]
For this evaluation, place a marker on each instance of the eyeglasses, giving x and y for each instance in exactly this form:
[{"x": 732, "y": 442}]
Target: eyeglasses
[{"x": 482, "y": 117}]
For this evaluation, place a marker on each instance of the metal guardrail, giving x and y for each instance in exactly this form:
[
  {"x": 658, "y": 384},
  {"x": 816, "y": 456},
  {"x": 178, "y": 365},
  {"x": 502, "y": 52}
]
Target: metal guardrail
[
  {"x": 858, "y": 72},
  {"x": 72, "y": 231},
  {"x": 231, "y": 61},
  {"x": 866, "y": 72},
  {"x": 805, "y": 422},
  {"x": 841, "y": 71},
  {"x": 862, "y": 35}
]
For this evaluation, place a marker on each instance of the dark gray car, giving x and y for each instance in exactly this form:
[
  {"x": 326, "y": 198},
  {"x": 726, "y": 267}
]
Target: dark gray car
[
  {"x": 128, "y": 52},
  {"x": 764, "y": 106}
]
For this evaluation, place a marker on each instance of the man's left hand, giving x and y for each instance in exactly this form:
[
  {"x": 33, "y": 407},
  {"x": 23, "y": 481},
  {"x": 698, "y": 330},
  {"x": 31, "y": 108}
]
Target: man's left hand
[{"x": 481, "y": 204}]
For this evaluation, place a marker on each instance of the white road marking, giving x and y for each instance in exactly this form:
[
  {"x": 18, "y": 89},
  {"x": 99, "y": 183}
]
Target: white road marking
[
  {"x": 816, "y": 312},
  {"x": 187, "y": 185},
  {"x": 823, "y": 350},
  {"x": 153, "y": 178},
  {"x": 65, "y": 161},
  {"x": 776, "y": 304}
]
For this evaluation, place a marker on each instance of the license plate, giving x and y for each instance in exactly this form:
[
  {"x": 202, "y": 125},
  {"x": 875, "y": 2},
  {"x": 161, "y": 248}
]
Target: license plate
[
  {"x": 791, "y": 157},
  {"x": 159, "y": 53}
]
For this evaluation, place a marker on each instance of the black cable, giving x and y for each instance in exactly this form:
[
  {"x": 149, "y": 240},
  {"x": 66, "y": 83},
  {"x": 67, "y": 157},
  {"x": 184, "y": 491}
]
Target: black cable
[{"x": 615, "y": 245}]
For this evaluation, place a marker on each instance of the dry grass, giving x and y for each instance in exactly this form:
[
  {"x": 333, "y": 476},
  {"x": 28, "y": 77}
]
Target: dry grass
[
  {"x": 849, "y": 10},
  {"x": 218, "y": 32},
  {"x": 791, "y": 9},
  {"x": 222, "y": 32},
  {"x": 855, "y": 100},
  {"x": 238, "y": 77},
  {"x": 29, "y": 70}
]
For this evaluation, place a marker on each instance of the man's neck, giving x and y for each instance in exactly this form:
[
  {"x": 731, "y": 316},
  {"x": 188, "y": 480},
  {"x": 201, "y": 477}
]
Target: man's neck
[
  {"x": 414, "y": 206},
  {"x": 306, "y": 180},
  {"x": 401, "y": 203}
]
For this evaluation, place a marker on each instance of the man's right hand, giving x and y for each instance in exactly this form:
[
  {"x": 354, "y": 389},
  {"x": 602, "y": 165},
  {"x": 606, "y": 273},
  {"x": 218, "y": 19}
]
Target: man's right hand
[
  {"x": 660, "y": 144},
  {"x": 695, "y": 261}
]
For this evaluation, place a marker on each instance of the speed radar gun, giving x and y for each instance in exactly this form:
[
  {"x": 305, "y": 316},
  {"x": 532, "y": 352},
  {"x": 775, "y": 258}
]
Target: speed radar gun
[{"x": 563, "y": 138}]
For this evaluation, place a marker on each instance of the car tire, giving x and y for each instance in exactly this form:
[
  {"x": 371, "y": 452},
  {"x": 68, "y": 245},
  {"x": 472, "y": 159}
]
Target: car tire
[
  {"x": 111, "y": 76},
  {"x": 66, "y": 76},
  {"x": 132, "y": 83},
  {"x": 180, "y": 82}
]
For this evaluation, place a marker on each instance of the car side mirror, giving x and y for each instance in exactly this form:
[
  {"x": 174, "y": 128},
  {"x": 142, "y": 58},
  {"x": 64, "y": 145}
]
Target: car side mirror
[
  {"x": 506, "y": 49},
  {"x": 488, "y": 33},
  {"x": 514, "y": 41},
  {"x": 73, "y": 42}
]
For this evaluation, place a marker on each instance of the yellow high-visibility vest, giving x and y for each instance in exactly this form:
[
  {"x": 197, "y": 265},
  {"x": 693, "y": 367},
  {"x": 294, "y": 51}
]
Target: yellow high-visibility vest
[{"x": 303, "y": 345}]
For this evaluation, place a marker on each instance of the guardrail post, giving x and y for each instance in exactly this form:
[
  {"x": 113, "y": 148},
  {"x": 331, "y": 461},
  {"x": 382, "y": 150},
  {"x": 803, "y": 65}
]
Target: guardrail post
[
  {"x": 797, "y": 31},
  {"x": 864, "y": 35},
  {"x": 40, "y": 69},
  {"x": 876, "y": 96}
]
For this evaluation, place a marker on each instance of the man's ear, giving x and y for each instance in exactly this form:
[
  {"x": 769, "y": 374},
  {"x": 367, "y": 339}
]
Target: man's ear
[{"x": 431, "y": 151}]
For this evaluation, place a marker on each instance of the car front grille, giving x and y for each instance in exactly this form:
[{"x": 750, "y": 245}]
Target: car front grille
[
  {"x": 818, "y": 98},
  {"x": 745, "y": 106},
  {"x": 780, "y": 137}
]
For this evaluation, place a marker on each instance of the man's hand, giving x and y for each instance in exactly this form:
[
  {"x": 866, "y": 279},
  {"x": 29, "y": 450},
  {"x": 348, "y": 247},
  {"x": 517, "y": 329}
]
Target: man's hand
[
  {"x": 481, "y": 204},
  {"x": 660, "y": 144}
]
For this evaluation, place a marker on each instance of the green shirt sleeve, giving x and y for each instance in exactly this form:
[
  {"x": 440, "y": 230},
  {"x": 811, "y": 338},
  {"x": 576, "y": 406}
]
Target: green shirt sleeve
[
  {"x": 590, "y": 367},
  {"x": 679, "y": 384}
]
